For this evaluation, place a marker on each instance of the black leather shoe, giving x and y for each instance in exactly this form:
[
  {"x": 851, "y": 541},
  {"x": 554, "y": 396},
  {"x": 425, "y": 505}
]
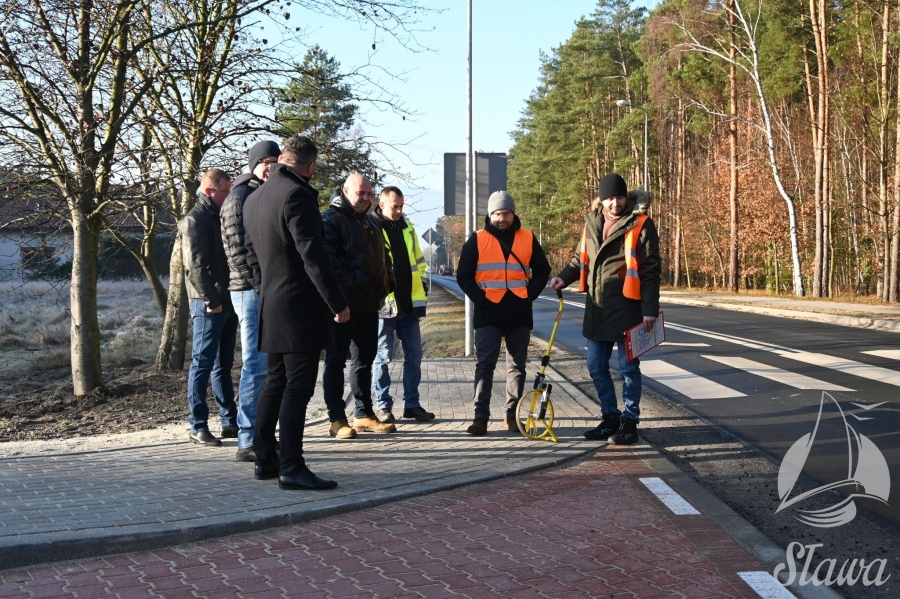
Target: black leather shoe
[
  {"x": 305, "y": 481},
  {"x": 205, "y": 438},
  {"x": 266, "y": 471},
  {"x": 229, "y": 432},
  {"x": 418, "y": 413}
]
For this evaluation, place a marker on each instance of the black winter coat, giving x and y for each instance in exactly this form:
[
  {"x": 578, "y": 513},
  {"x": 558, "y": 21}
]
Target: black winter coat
[
  {"x": 512, "y": 310},
  {"x": 608, "y": 313},
  {"x": 205, "y": 265},
  {"x": 298, "y": 292},
  {"x": 232, "y": 213},
  {"x": 355, "y": 244}
]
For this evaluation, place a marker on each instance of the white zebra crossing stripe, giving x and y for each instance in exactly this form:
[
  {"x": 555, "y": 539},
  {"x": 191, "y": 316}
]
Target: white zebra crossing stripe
[
  {"x": 890, "y": 354},
  {"x": 872, "y": 373},
  {"x": 671, "y": 499},
  {"x": 765, "y": 585},
  {"x": 778, "y": 375},
  {"x": 686, "y": 383}
]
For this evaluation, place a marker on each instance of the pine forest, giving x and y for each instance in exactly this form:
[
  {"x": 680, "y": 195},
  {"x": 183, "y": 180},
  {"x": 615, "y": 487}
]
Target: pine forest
[{"x": 773, "y": 150}]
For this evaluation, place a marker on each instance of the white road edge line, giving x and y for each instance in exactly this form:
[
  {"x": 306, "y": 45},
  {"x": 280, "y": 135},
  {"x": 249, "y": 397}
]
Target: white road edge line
[
  {"x": 668, "y": 496},
  {"x": 765, "y": 585}
]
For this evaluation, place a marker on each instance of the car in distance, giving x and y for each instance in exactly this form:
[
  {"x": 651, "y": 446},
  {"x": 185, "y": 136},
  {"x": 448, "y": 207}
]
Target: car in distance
[{"x": 446, "y": 270}]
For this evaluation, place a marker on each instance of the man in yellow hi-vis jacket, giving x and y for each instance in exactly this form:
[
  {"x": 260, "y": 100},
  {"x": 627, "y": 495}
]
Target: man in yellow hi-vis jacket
[{"x": 401, "y": 312}]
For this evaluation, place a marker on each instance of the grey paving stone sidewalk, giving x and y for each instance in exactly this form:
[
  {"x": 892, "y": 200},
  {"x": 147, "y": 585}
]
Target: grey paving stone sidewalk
[{"x": 77, "y": 505}]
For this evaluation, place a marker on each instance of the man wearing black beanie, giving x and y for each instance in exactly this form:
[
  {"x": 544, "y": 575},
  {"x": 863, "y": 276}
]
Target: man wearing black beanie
[
  {"x": 243, "y": 295},
  {"x": 620, "y": 295}
]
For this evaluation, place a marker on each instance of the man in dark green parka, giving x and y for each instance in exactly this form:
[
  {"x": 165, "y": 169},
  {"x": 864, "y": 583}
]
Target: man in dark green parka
[{"x": 608, "y": 312}]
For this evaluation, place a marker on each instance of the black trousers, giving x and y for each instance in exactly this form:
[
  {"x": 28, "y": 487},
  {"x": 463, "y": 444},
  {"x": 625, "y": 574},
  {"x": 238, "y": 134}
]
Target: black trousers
[
  {"x": 290, "y": 383},
  {"x": 362, "y": 331}
]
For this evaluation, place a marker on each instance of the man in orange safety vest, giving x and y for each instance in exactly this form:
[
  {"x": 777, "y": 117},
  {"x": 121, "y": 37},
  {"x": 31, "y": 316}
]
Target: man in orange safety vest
[
  {"x": 618, "y": 267},
  {"x": 502, "y": 269}
]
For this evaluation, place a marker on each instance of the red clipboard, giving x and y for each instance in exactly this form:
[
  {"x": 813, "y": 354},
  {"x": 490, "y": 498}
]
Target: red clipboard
[{"x": 638, "y": 341}]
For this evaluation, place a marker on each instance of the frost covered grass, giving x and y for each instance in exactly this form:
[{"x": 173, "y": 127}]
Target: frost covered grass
[{"x": 34, "y": 323}]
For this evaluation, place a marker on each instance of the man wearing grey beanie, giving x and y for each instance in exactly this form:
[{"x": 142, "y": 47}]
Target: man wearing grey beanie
[{"x": 502, "y": 269}]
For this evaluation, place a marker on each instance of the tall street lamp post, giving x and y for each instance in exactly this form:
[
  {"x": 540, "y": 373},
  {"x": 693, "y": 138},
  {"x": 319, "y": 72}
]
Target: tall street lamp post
[{"x": 627, "y": 104}]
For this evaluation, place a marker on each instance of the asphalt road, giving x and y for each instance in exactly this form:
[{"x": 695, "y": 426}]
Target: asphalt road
[{"x": 765, "y": 379}]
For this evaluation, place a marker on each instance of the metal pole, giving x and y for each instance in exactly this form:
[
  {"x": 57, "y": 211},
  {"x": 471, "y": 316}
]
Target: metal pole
[{"x": 470, "y": 167}]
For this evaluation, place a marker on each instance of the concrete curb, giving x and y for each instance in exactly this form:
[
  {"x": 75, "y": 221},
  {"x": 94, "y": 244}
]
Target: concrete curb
[
  {"x": 847, "y": 321},
  {"x": 62, "y": 547}
]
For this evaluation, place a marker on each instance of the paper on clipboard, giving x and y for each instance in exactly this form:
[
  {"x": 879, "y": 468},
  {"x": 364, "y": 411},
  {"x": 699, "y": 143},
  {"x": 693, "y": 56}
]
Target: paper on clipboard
[{"x": 638, "y": 341}]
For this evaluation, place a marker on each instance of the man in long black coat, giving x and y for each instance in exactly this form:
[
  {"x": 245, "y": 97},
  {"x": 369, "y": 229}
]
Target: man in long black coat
[{"x": 299, "y": 297}]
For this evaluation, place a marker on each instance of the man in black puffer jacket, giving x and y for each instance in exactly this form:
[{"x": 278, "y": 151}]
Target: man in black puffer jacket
[
  {"x": 243, "y": 295},
  {"x": 355, "y": 244}
]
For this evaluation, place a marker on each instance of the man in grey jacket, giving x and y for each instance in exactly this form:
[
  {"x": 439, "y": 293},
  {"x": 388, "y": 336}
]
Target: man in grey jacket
[{"x": 214, "y": 320}]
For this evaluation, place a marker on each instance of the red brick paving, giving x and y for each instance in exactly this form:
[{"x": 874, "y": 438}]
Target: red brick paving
[{"x": 589, "y": 530}]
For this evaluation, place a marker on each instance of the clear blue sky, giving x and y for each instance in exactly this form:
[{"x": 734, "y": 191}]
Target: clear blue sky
[{"x": 508, "y": 37}]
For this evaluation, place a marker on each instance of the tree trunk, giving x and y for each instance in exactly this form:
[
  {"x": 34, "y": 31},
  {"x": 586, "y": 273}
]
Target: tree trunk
[
  {"x": 150, "y": 272},
  {"x": 882, "y": 249},
  {"x": 171, "y": 352},
  {"x": 87, "y": 373},
  {"x": 734, "y": 250},
  {"x": 893, "y": 289}
]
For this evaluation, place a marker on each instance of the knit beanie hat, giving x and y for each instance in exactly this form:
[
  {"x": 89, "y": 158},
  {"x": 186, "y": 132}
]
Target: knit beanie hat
[
  {"x": 261, "y": 151},
  {"x": 612, "y": 185},
  {"x": 501, "y": 200}
]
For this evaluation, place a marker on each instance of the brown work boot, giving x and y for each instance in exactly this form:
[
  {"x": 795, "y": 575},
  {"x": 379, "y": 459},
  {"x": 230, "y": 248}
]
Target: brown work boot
[
  {"x": 478, "y": 427},
  {"x": 370, "y": 424},
  {"x": 509, "y": 423},
  {"x": 340, "y": 429}
]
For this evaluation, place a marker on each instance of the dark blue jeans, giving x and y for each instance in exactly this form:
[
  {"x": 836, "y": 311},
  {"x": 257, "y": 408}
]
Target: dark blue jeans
[
  {"x": 406, "y": 328},
  {"x": 212, "y": 357},
  {"x": 362, "y": 331},
  {"x": 599, "y": 353}
]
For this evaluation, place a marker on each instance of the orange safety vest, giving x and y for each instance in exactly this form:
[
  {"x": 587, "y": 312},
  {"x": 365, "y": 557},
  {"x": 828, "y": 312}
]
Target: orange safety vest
[
  {"x": 632, "y": 285},
  {"x": 495, "y": 274}
]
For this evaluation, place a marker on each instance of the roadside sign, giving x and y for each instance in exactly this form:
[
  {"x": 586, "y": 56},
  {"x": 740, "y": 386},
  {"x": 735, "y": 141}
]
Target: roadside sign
[
  {"x": 490, "y": 173},
  {"x": 431, "y": 236}
]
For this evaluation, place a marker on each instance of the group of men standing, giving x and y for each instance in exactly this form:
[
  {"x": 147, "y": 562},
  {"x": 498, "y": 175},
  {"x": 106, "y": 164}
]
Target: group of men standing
[{"x": 261, "y": 257}]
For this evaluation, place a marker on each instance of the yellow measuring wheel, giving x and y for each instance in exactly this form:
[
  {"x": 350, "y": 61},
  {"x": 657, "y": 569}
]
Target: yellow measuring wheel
[{"x": 534, "y": 411}]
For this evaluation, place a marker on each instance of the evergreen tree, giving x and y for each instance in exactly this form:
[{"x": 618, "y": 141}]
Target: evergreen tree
[{"x": 319, "y": 103}]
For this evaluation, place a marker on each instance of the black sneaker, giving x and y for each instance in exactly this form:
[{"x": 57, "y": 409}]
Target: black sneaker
[
  {"x": 418, "y": 413},
  {"x": 606, "y": 429},
  {"x": 626, "y": 435},
  {"x": 229, "y": 432}
]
